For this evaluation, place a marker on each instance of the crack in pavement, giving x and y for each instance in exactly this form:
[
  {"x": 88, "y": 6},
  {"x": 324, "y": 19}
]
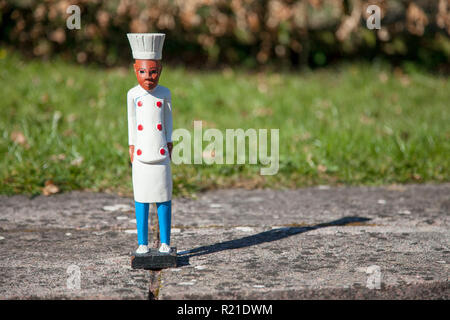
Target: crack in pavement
[{"x": 155, "y": 275}]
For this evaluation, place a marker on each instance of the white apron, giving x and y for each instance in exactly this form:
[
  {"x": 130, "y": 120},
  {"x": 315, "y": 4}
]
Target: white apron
[
  {"x": 149, "y": 130},
  {"x": 152, "y": 182}
]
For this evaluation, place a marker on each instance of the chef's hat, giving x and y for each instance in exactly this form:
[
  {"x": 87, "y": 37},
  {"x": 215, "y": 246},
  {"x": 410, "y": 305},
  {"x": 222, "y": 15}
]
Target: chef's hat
[{"x": 146, "y": 45}]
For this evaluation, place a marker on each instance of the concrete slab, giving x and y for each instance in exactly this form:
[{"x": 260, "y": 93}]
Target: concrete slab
[{"x": 321, "y": 242}]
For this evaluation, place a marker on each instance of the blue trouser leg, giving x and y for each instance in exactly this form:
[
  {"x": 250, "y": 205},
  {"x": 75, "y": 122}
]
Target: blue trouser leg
[
  {"x": 164, "y": 218},
  {"x": 142, "y": 222}
]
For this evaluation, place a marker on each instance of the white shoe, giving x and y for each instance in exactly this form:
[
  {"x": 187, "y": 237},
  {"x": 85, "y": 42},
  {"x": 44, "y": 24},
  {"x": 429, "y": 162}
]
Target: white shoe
[
  {"x": 164, "y": 248},
  {"x": 142, "y": 249}
]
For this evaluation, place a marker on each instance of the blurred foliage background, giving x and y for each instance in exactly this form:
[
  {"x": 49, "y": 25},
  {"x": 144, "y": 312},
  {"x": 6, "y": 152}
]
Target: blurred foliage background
[
  {"x": 353, "y": 105},
  {"x": 285, "y": 33}
]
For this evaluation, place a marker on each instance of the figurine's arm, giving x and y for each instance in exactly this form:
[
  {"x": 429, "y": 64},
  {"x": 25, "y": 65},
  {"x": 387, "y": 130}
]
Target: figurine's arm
[
  {"x": 168, "y": 123},
  {"x": 131, "y": 110}
]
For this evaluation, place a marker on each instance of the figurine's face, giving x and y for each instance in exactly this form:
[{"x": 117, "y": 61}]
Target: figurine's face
[{"x": 147, "y": 73}]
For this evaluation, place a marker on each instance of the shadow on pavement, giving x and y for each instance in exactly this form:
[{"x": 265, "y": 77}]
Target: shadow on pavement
[{"x": 266, "y": 236}]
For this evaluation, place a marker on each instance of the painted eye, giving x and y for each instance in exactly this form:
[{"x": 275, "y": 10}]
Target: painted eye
[{"x": 141, "y": 71}]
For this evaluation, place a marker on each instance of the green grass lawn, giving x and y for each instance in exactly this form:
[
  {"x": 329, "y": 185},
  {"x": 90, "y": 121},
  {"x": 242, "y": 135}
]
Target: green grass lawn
[{"x": 353, "y": 124}]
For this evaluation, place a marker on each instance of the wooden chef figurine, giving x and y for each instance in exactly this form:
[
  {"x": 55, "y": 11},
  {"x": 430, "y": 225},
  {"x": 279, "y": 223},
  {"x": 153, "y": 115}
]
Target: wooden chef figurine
[{"x": 150, "y": 138}]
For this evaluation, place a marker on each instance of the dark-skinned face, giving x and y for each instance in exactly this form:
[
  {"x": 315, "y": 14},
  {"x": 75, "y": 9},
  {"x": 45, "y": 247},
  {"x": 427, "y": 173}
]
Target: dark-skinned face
[{"x": 147, "y": 73}]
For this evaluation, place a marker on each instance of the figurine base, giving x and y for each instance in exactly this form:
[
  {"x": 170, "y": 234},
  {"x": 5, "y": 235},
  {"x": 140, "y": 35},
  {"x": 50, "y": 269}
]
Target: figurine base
[{"x": 154, "y": 259}]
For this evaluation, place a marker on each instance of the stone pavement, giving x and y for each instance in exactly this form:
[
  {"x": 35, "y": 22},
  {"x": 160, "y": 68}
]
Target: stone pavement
[{"x": 312, "y": 243}]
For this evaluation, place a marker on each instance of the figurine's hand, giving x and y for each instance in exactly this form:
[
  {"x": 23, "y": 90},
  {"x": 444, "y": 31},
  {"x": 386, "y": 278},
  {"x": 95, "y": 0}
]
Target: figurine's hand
[
  {"x": 170, "y": 147},
  {"x": 131, "y": 152}
]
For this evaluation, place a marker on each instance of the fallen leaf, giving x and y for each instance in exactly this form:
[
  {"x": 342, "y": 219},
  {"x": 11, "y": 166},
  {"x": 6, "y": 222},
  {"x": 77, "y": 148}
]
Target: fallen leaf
[
  {"x": 50, "y": 188},
  {"x": 261, "y": 112},
  {"x": 405, "y": 81},
  {"x": 72, "y": 117},
  {"x": 70, "y": 82},
  {"x": 119, "y": 147},
  {"x": 263, "y": 87},
  {"x": 77, "y": 161},
  {"x": 19, "y": 138},
  {"x": 68, "y": 133},
  {"x": 227, "y": 72},
  {"x": 396, "y": 187},
  {"x": 58, "y": 157},
  {"x": 44, "y": 98},
  {"x": 383, "y": 77},
  {"x": 365, "y": 119}
]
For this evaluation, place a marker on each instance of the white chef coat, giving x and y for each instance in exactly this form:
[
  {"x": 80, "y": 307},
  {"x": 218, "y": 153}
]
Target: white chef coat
[{"x": 149, "y": 130}]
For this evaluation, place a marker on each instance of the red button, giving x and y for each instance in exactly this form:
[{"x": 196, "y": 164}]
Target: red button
[
  {"x": 159, "y": 126},
  {"x": 140, "y": 103},
  {"x": 139, "y": 152},
  {"x": 159, "y": 104},
  {"x": 140, "y": 127},
  {"x": 162, "y": 151}
]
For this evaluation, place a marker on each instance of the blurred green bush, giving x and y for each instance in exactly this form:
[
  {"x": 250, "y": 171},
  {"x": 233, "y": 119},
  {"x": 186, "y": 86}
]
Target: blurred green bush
[{"x": 236, "y": 32}]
